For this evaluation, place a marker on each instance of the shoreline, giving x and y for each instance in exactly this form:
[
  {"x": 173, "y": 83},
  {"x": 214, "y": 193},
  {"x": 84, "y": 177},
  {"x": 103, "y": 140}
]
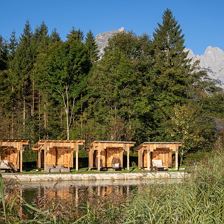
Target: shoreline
[{"x": 94, "y": 177}]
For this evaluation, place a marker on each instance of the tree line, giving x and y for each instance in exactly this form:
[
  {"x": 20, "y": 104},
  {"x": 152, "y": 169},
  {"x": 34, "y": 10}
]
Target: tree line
[{"x": 142, "y": 89}]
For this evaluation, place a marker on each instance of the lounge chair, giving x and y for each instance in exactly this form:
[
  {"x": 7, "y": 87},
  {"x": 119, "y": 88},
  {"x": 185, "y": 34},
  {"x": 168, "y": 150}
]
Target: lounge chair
[
  {"x": 5, "y": 165},
  {"x": 58, "y": 169},
  {"x": 116, "y": 166},
  {"x": 116, "y": 163},
  {"x": 157, "y": 165}
]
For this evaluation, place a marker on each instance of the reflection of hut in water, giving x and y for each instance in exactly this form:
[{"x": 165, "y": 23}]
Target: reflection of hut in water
[
  {"x": 108, "y": 154},
  {"x": 63, "y": 194},
  {"x": 11, "y": 153},
  {"x": 67, "y": 198},
  {"x": 152, "y": 152},
  {"x": 57, "y": 153},
  {"x": 65, "y": 201},
  {"x": 105, "y": 191}
]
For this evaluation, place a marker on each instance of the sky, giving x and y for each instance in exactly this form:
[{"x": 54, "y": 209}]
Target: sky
[{"x": 202, "y": 21}]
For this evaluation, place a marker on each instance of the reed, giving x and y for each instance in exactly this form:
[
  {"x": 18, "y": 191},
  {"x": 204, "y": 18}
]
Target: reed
[{"x": 2, "y": 198}]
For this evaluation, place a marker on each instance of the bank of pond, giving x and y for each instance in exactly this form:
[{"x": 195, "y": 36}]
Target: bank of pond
[{"x": 63, "y": 155}]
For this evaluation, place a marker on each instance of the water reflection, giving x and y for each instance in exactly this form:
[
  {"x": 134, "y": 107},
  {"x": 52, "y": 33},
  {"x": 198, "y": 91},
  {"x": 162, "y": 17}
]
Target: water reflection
[
  {"x": 73, "y": 199},
  {"x": 79, "y": 194}
]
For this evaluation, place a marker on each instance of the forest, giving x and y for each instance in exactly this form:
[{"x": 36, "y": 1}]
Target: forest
[{"x": 144, "y": 88}]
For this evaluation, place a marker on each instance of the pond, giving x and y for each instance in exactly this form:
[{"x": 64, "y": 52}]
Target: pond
[{"x": 74, "y": 198}]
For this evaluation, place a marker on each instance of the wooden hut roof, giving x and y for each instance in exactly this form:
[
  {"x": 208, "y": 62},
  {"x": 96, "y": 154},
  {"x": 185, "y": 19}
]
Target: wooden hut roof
[
  {"x": 154, "y": 145},
  {"x": 115, "y": 142},
  {"x": 111, "y": 144},
  {"x": 15, "y": 140},
  {"x": 41, "y": 144},
  {"x": 60, "y": 141},
  {"x": 15, "y": 143}
]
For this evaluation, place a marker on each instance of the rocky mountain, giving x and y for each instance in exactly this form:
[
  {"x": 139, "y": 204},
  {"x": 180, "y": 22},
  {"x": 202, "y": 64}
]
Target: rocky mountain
[
  {"x": 212, "y": 60},
  {"x": 102, "y": 39}
]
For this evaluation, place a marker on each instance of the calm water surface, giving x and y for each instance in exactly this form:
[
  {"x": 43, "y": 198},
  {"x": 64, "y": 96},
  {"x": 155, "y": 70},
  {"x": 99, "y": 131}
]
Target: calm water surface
[
  {"x": 75, "y": 197},
  {"x": 84, "y": 190}
]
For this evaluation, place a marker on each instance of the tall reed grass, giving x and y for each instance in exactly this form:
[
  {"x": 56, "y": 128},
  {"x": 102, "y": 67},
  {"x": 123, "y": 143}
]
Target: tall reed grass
[
  {"x": 199, "y": 199},
  {"x": 2, "y": 198}
]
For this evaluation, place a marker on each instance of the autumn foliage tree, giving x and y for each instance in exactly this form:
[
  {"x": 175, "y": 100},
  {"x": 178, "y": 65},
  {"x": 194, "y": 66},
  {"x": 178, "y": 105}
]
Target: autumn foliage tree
[{"x": 190, "y": 125}]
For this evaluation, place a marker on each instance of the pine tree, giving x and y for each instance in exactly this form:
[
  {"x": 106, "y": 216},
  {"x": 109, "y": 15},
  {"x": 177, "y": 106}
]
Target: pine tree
[
  {"x": 91, "y": 47},
  {"x": 173, "y": 74},
  {"x": 3, "y": 54},
  {"x": 10, "y": 94},
  {"x": 74, "y": 36},
  {"x": 54, "y": 37},
  {"x": 20, "y": 73},
  {"x": 13, "y": 43},
  {"x": 41, "y": 36},
  {"x": 4, "y": 89},
  {"x": 40, "y": 42}
]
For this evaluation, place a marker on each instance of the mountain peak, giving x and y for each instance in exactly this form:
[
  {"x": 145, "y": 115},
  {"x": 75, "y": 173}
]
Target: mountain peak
[
  {"x": 103, "y": 38},
  {"x": 213, "y": 50},
  {"x": 212, "y": 61}
]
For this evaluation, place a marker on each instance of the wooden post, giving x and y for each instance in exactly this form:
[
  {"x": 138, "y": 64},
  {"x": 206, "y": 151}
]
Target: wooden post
[
  {"x": 77, "y": 158},
  {"x": 148, "y": 160},
  {"x": 98, "y": 159},
  {"x": 128, "y": 158},
  {"x": 90, "y": 155},
  {"x": 45, "y": 157},
  {"x": 176, "y": 159},
  {"x": 122, "y": 159},
  {"x": 139, "y": 159},
  {"x": 71, "y": 159},
  {"x": 18, "y": 160},
  {"x": 39, "y": 159},
  {"x": 21, "y": 160}
]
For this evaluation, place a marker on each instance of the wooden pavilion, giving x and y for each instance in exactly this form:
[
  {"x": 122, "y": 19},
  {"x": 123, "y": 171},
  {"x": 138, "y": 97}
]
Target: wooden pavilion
[
  {"x": 12, "y": 151},
  {"x": 107, "y": 154},
  {"x": 52, "y": 153},
  {"x": 157, "y": 151}
]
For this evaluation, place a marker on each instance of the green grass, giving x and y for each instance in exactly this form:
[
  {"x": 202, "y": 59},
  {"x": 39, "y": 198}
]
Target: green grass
[{"x": 85, "y": 170}]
